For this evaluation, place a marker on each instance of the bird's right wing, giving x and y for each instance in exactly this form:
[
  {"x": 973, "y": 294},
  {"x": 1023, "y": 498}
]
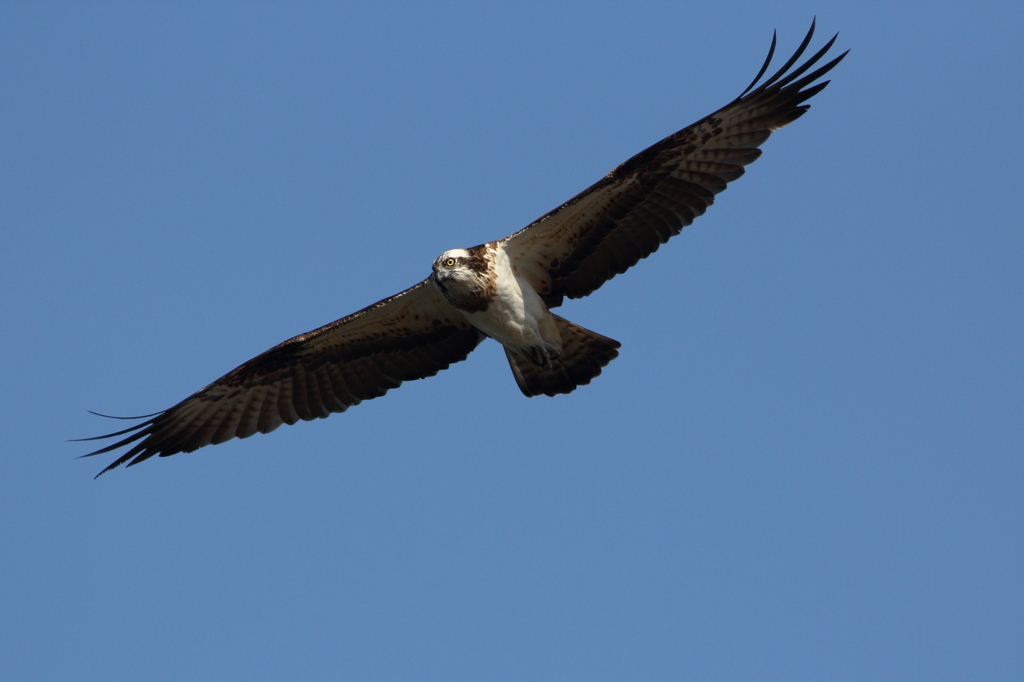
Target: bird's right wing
[{"x": 411, "y": 335}]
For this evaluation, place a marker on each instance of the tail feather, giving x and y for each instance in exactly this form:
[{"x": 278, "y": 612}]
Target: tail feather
[{"x": 584, "y": 353}]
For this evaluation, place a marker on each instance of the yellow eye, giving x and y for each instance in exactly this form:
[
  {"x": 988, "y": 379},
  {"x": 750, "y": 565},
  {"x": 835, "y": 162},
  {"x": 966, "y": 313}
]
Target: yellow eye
[{"x": 450, "y": 262}]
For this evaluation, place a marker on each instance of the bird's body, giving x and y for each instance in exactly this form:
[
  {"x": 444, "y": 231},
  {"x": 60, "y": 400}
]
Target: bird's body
[
  {"x": 483, "y": 285},
  {"x": 503, "y": 290}
]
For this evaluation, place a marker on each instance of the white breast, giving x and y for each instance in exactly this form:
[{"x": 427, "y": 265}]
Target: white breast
[{"x": 517, "y": 317}]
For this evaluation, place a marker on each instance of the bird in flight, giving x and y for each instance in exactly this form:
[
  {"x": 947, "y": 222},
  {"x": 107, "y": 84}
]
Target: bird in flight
[{"x": 503, "y": 289}]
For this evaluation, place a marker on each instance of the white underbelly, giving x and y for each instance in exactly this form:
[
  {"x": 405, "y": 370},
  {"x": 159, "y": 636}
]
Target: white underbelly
[{"x": 516, "y": 317}]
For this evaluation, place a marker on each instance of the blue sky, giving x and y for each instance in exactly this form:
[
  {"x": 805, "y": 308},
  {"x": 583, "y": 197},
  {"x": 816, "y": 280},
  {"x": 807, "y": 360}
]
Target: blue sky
[{"x": 805, "y": 464}]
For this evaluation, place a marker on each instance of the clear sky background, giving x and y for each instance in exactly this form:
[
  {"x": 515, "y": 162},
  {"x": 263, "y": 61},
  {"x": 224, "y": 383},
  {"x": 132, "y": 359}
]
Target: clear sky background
[{"x": 806, "y": 464}]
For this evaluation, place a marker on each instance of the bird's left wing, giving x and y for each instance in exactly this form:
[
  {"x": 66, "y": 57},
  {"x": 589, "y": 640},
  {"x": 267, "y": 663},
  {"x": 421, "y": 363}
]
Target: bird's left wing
[
  {"x": 411, "y": 335},
  {"x": 628, "y": 214}
]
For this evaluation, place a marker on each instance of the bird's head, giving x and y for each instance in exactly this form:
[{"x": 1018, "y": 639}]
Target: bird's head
[
  {"x": 456, "y": 266},
  {"x": 462, "y": 275},
  {"x": 450, "y": 261}
]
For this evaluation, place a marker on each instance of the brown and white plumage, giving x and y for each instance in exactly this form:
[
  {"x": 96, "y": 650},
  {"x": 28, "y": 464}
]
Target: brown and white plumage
[{"x": 502, "y": 289}]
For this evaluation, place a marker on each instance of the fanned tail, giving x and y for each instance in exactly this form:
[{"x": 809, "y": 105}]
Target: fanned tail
[{"x": 584, "y": 353}]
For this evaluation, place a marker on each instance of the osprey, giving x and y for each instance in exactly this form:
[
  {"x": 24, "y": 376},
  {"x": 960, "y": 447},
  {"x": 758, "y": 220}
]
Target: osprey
[{"x": 504, "y": 289}]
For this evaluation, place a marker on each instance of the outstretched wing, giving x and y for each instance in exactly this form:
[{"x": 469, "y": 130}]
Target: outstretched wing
[
  {"x": 411, "y": 335},
  {"x": 628, "y": 214}
]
